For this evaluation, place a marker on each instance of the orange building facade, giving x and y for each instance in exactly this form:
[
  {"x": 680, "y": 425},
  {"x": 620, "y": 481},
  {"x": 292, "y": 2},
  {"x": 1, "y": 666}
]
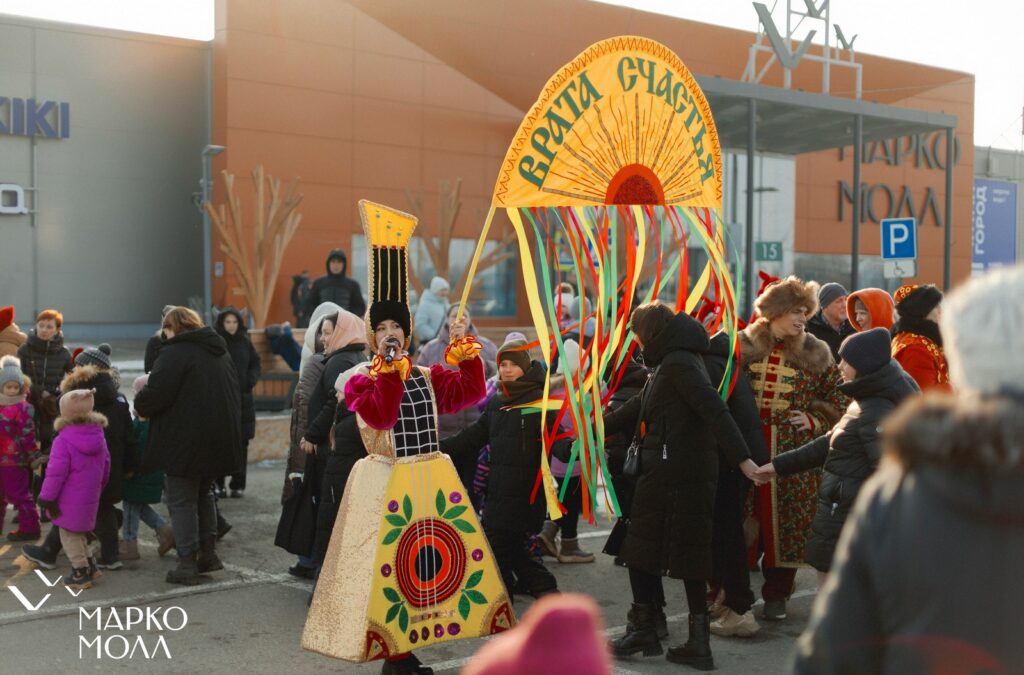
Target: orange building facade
[{"x": 384, "y": 101}]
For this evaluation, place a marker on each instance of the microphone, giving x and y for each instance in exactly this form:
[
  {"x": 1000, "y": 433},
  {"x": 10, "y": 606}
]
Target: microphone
[{"x": 393, "y": 345}]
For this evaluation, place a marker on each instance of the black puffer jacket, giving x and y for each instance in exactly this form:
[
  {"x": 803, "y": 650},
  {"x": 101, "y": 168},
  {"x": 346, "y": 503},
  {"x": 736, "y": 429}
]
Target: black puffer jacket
[
  {"x": 323, "y": 401},
  {"x": 336, "y": 288},
  {"x": 615, "y": 445},
  {"x": 849, "y": 453},
  {"x": 937, "y": 528},
  {"x": 742, "y": 406},
  {"x": 687, "y": 422},
  {"x": 247, "y": 367},
  {"x": 515, "y": 439},
  {"x": 119, "y": 432},
  {"x": 193, "y": 401},
  {"x": 822, "y": 329},
  {"x": 46, "y": 363}
]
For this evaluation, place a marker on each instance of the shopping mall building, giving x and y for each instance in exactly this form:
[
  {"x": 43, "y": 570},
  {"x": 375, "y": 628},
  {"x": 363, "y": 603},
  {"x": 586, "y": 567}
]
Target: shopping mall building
[{"x": 102, "y": 137}]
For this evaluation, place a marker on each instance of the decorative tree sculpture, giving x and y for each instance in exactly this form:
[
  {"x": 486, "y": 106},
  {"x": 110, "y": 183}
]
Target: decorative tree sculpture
[
  {"x": 438, "y": 246},
  {"x": 257, "y": 258}
]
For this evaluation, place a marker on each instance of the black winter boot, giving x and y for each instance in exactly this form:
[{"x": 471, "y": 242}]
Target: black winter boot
[
  {"x": 696, "y": 653},
  {"x": 208, "y": 560},
  {"x": 660, "y": 622},
  {"x": 187, "y": 572},
  {"x": 641, "y": 634}
]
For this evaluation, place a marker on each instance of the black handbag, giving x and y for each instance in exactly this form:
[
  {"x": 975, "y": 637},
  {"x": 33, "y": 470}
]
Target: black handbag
[
  {"x": 631, "y": 466},
  {"x": 296, "y": 529}
]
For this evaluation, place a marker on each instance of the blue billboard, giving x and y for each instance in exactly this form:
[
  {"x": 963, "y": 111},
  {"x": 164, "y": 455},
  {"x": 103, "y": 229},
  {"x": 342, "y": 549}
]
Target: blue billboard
[{"x": 994, "y": 225}]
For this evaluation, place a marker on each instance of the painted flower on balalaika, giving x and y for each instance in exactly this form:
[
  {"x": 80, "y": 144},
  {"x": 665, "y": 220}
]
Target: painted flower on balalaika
[{"x": 432, "y": 581}]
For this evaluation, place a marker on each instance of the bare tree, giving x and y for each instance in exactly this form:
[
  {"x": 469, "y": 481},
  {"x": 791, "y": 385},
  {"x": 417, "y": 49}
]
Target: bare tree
[
  {"x": 257, "y": 263},
  {"x": 439, "y": 246}
]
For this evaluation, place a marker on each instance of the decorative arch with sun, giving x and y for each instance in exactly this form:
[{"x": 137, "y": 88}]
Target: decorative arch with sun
[{"x": 612, "y": 179}]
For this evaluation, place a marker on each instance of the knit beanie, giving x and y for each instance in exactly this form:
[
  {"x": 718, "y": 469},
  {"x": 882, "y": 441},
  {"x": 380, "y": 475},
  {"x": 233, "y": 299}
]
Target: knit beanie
[
  {"x": 983, "y": 333},
  {"x": 917, "y": 301},
  {"x": 138, "y": 383},
  {"x": 6, "y": 316},
  {"x": 561, "y": 633},
  {"x": 10, "y": 371},
  {"x": 515, "y": 335},
  {"x": 867, "y": 351},
  {"x": 98, "y": 356},
  {"x": 76, "y": 403},
  {"x": 829, "y": 293},
  {"x": 516, "y": 352}
]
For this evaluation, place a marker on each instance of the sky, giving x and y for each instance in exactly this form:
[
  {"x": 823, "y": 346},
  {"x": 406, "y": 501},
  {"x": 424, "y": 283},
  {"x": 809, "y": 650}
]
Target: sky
[{"x": 980, "y": 37}]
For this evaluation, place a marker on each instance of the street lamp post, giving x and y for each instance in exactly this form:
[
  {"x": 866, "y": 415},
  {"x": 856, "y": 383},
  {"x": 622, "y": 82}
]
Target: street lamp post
[{"x": 208, "y": 152}]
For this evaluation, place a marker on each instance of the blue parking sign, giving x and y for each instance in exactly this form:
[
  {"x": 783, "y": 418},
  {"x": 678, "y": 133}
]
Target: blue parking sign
[{"x": 899, "y": 239}]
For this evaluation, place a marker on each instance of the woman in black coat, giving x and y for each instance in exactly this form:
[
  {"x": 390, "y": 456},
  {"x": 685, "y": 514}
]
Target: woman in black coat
[
  {"x": 232, "y": 328},
  {"x": 849, "y": 453},
  {"x": 680, "y": 422},
  {"x": 192, "y": 399},
  {"x": 345, "y": 350},
  {"x": 46, "y": 361}
]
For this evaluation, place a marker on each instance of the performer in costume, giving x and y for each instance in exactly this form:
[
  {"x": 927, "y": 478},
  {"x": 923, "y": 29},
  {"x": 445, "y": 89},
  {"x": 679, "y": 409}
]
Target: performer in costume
[
  {"x": 795, "y": 381},
  {"x": 408, "y": 565},
  {"x": 916, "y": 339}
]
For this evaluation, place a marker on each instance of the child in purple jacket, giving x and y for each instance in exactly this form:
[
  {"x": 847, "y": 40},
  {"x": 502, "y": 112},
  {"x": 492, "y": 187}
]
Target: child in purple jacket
[
  {"x": 78, "y": 469},
  {"x": 17, "y": 450}
]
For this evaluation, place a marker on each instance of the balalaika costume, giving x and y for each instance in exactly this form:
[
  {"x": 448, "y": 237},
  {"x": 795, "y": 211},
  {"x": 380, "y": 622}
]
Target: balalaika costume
[{"x": 408, "y": 565}]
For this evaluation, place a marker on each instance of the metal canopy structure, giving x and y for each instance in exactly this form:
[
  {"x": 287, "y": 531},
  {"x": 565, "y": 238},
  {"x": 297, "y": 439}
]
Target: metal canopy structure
[
  {"x": 786, "y": 122},
  {"x": 794, "y": 122}
]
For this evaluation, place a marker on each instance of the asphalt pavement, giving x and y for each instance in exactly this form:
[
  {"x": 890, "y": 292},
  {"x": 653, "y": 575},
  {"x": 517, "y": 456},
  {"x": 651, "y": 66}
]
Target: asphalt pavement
[{"x": 249, "y": 617}]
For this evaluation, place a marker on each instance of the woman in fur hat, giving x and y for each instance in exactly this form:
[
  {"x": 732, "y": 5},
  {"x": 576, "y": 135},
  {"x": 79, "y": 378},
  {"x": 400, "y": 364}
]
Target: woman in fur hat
[
  {"x": 796, "y": 382},
  {"x": 916, "y": 340}
]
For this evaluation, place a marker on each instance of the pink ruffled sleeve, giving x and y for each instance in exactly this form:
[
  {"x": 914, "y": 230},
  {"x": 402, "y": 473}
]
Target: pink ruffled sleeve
[
  {"x": 377, "y": 401},
  {"x": 458, "y": 389}
]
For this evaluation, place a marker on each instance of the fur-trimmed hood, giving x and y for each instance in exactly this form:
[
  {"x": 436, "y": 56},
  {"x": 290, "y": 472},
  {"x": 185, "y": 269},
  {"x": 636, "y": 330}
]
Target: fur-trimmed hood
[
  {"x": 804, "y": 351},
  {"x": 76, "y": 420},
  {"x": 105, "y": 382},
  {"x": 968, "y": 449}
]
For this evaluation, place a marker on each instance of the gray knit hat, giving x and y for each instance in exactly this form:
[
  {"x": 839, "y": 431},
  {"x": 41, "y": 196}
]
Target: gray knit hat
[
  {"x": 98, "y": 356},
  {"x": 829, "y": 293},
  {"x": 10, "y": 371}
]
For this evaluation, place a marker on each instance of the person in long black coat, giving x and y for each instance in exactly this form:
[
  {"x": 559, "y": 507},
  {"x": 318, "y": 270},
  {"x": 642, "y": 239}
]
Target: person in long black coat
[
  {"x": 681, "y": 422},
  {"x": 515, "y": 439},
  {"x": 850, "y": 452},
  {"x": 46, "y": 361},
  {"x": 232, "y": 328},
  {"x": 192, "y": 399},
  {"x": 731, "y": 570}
]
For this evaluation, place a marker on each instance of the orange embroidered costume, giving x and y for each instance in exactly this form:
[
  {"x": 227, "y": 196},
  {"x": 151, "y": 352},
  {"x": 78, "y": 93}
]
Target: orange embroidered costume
[{"x": 916, "y": 341}]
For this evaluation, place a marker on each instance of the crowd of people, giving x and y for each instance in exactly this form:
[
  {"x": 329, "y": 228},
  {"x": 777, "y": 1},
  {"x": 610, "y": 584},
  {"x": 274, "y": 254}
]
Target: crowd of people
[{"x": 874, "y": 437}]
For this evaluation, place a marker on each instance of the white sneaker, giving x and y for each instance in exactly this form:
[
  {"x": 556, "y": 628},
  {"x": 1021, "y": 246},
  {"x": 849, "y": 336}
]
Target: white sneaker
[{"x": 731, "y": 624}]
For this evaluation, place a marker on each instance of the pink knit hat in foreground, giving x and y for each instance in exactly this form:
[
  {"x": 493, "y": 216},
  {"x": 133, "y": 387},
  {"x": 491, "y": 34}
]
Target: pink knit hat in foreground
[{"x": 560, "y": 633}]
